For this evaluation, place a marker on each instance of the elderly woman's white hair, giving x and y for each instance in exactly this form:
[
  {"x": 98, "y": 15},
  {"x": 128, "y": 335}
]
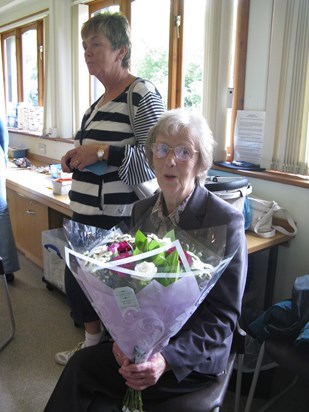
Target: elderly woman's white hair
[{"x": 176, "y": 121}]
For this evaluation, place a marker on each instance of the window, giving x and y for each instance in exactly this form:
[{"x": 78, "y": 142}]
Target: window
[
  {"x": 176, "y": 48},
  {"x": 30, "y": 68},
  {"x": 9, "y": 47},
  {"x": 193, "y": 54},
  {"x": 149, "y": 58},
  {"x": 23, "y": 67},
  {"x": 172, "y": 58}
]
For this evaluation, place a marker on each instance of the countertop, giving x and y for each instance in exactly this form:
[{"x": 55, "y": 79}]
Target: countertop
[{"x": 37, "y": 186}]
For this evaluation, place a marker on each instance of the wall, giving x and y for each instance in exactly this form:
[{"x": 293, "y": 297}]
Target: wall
[
  {"x": 293, "y": 259},
  {"x": 53, "y": 149}
]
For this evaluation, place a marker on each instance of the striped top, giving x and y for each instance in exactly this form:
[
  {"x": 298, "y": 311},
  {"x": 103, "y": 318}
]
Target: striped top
[{"x": 110, "y": 194}]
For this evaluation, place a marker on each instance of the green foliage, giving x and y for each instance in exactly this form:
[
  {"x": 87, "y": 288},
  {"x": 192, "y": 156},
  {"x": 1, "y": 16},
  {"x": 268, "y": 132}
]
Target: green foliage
[
  {"x": 166, "y": 263},
  {"x": 193, "y": 86},
  {"x": 154, "y": 67}
]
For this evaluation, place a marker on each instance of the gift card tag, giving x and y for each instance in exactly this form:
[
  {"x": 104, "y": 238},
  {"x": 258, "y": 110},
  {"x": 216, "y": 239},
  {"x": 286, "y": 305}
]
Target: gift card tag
[{"x": 126, "y": 299}]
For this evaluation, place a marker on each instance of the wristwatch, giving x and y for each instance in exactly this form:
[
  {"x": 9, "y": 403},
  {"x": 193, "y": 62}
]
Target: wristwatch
[{"x": 100, "y": 153}]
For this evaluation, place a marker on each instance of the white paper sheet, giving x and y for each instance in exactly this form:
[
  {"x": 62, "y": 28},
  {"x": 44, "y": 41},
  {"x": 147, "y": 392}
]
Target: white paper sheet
[{"x": 249, "y": 136}]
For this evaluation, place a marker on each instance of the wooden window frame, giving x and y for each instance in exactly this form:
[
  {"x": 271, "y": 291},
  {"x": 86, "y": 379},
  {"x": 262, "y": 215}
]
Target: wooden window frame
[
  {"x": 17, "y": 33},
  {"x": 175, "y": 55},
  {"x": 175, "y": 72},
  {"x": 174, "y": 98},
  {"x": 243, "y": 9},
  {"x": 124, "y": 6},
  {"x": 175, "y": 63}
]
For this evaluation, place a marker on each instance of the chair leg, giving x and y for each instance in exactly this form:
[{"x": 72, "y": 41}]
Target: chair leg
[
  {"x": 7, "y": 296},
  {"x": 255, "y": 378},
  {"x": 238, "y": 382}
]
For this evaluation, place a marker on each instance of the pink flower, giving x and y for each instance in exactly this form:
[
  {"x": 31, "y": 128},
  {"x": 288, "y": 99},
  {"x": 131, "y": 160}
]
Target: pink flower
[
  {"x": 188, "y": 257},
  {"x": 124, "y": 247},
  {"x": 126, "y": 265},
  {"x": 119, "y": 248},
  {"x": 113, "y": 248}
]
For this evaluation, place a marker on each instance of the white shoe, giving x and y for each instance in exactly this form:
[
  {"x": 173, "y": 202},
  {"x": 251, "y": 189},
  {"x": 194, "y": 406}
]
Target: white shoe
[{"x": 62, "y": 358}]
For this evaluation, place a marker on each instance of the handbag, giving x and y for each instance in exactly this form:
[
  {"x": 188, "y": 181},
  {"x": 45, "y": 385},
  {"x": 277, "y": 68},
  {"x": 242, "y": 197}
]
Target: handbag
[
  {"x": 150, "y": 187},
  {"x": 262, "y": 214}
]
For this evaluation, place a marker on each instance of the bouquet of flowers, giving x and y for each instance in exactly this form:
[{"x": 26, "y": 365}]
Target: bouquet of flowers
[{"x": 144, "y": 288}]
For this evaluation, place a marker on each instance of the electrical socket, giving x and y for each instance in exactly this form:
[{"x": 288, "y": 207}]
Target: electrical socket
[{"x": 42, "y": 148}]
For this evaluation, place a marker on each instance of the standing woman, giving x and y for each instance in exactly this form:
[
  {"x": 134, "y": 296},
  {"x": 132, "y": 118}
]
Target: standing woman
[
  {"x": 108, "y": 158},
  {"x": 8, "y": 250}
]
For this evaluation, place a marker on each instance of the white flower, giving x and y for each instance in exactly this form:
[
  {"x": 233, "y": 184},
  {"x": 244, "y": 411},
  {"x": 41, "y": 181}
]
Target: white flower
[
  {"x": 121, "y": 237},
  {"x": 101, "y": 254},
  {"x": 152, "y": 236},
  {"x": 166, "y": 241},
  {"x": 98, "y": 250},
  {"x": 145, "y": 270},
  {"x": 105, "y": 257}
]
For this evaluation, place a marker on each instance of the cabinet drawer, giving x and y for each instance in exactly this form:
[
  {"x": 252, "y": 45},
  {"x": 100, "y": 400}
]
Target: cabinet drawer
[{"x": 29, "y": 220}]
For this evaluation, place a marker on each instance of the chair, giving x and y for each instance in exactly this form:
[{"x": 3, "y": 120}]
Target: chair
[
  {"x": 211, "y": 397},
  {"x": 9, "y": 306},
  {"x": 283, "y": 351},
  {"x": 279, "y": 327}
]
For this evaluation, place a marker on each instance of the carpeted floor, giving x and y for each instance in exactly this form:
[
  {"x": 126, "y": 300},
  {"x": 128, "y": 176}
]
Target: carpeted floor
[{"x": 28, "y": 372}]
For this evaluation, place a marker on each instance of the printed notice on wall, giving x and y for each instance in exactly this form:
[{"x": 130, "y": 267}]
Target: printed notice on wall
[{"x": 249, "y": 136}]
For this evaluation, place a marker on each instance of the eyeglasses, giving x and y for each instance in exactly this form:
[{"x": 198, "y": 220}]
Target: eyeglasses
[{"x": 161, "y": 150}]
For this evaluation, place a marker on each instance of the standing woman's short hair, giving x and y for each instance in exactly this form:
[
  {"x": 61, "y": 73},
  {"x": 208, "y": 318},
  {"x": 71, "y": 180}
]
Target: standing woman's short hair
[
  {"x": 115, "y": 27},
  {"x": 174, "y": 122}
]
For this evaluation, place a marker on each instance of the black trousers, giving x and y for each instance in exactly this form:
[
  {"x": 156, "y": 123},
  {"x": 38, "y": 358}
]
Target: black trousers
[
  {"x": 81, "y": 309},
  {"x": 91, "y": 382}
]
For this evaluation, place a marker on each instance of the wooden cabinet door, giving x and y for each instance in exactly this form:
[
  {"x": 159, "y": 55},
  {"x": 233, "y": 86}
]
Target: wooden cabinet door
[{"x": 31, "y": 218}]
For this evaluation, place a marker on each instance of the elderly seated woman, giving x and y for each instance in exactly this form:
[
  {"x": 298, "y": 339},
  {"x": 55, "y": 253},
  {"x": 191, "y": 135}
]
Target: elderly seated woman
[{"x": 180, "y": 150}]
